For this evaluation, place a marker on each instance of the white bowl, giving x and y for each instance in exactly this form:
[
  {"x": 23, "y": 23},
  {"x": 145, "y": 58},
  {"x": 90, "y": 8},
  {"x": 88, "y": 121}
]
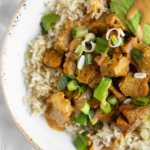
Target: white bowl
[{"x": 25, "y": 26}]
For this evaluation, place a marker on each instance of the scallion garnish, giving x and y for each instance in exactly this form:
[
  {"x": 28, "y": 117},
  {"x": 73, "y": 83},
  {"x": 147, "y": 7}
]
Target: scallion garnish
[
  {"x": 79, "y": 32},
  {"x": 47, "y": 20},
  {"x": 107, "y": 108},
  {"x": 113, "y": 100},
  {"x": 80, "y": 142},
  {"x": 91, "y": 115},
  {"x": 82, "y": 119},
  {"x": 110, "y": 55},
  {"x": 114, "y": 39},
  {"x": 88, "y": 59},
  {"x": 61, "y": 52},
  {"x": 85, "y": 108},
  {"x": 80, "y": 62},
  {"x": 79, "y": 50},
  {"x": 73, "y": 77},
  {"x": 101, "y": 90},
  {"x": 137, "y": 55},
  {"x": 88, "y": 93},
  {"x": 86, "y": 133},
  {"x": 73, "y": 85},
  {"x": 142, "y": 101},
  {"x": 62, "y": 83},
  {"x": 102, "y": 46},
  {"x": 82, "y": 90},
  {"x": 90, "y": 37}
]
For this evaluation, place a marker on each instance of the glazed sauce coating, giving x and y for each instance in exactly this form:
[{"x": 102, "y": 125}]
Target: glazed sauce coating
[
  {"x": 54, "y": 125},
  {"x": 144, "y": 7}
]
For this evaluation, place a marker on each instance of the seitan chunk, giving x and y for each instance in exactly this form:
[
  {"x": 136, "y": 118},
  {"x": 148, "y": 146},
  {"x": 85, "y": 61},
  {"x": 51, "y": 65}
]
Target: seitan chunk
[
  {"x": 63, "y": 41},
  {"x": 111, "y": 117},
  {"x": 71, "y": 55},
  {"x": 94, "y": 103},
  {"x": 123, "y": 124},
  {"x": 86, "y": 73},
  {"x": 72, "y": 47},
  {"x": 134, "y": 113},
  {"x": 118, "y": 94},
  {"x": 134, "y": 87},
  {"x": 100, "y": 25},
  {"x": 79, "y": 102},
  {"x": 115, "y": 67},
  {"x": 95, "y": 79},
  {"x": 74, "y": 44},
  {"x": 60, "y": 108},
  {"x": 128, "y": 46},
  {"x": 144, "y": 66},
  {"x": 69, "y": 95},
  {"x": 65, "y": 36},
  {"x": 69, "y": 67},
  {"x": 52, "y": 58}
]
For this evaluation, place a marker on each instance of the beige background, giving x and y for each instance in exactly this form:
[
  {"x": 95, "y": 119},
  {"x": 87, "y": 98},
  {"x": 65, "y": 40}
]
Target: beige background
[{"x": 10, "y": 137}]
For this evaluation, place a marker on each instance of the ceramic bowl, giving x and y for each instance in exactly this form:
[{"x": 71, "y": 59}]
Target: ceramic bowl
[{"x": 25, "y": 26}]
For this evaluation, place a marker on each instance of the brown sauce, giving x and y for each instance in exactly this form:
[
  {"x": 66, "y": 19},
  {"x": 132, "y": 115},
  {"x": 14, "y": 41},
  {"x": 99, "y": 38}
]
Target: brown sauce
[
  {"x": 54, "y": 125},
  {"x": 144, "y": 7}
]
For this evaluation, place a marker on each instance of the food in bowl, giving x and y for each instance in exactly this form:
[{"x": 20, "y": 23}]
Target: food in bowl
[{"x": 88, "y": 73}]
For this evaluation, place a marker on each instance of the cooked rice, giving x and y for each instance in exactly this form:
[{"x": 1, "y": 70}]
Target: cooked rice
[{"x": 41, "y": 80}]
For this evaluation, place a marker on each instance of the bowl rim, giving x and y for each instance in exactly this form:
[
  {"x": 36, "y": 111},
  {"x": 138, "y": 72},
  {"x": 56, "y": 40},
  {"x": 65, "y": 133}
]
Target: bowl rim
[{"x": 1, "y": 80}]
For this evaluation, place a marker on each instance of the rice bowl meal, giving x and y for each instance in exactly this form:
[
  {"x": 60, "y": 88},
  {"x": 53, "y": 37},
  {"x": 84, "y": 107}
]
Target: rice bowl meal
[{"x": 88, "y": 72}]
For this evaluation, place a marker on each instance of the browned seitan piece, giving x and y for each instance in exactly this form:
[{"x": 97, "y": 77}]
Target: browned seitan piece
[
  {"x": 69, "y": 67},
  {"x": 134, "y": 87},
  {"x": 53, "y": 59},
  {"x": 115, "y": 67},
  {"x": 86, "y": 73},
  {"x": 60, "y": 108}
]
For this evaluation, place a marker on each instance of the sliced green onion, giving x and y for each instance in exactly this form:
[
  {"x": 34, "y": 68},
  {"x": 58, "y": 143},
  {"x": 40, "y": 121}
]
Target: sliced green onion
[
  {"x": 80, "y": 62},
  {"x": 144, "y": 134},
  {"x": 85, "y": 108},
  {"x": 91, "y": 115},
  {"x": 79, "y": 72},
  {"x": 80, "y": 142},
  {"x": 88, "y": 59},
  {"x": 102, "y": 89},
  {"x": 62, "y": 83},
  {"x": 149, "y": 113},
  {"x": 137, "y": 55},
  {"x": 79, "y": 50},
  {"x": 110, "y": 55},
  {"x": 88, "y": 93},
  {"x": 107, "y": 108},
  {"x": 113, "y": 100},
  {"x": 73, "y": 85},
  {"x": 79, "y": 32},
  {"x": 114, "y": 39},
  {"x": 61, "y": 52},
  {"x": 122, "y": 43},
  {"x": 86, "y": 133},
  {"x": 73, "y": 77},
  {"x": 82, "y": 119},
  {"x": 82, "y": 90},
  {"x": 142, "y": 101},
  {"x": 47, "y": 20},
  {"x": 90, "y": 37},
  {"x": 102, "y": 46}
]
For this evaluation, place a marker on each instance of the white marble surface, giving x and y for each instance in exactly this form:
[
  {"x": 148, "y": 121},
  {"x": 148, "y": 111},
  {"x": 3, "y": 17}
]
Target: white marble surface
[{"x": 10, "y": 136}]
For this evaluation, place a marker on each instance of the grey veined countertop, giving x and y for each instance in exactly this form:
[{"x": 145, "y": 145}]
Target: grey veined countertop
[{"x": 10, "y": 136}]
